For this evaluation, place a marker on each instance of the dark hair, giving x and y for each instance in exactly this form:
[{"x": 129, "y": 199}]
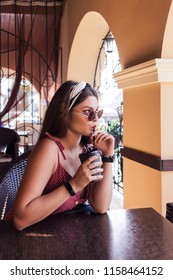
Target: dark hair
[{"x": 55, "y": 120}]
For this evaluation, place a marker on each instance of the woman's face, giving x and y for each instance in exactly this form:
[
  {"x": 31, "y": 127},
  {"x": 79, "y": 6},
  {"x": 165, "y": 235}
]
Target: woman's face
[{"x": 78, "y": 117}]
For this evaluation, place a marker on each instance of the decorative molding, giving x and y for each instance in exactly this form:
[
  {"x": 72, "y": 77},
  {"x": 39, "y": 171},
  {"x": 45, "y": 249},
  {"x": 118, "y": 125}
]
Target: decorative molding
[
  {"x": 152, "y": 71},
  {"x": 147, "y": 159}
]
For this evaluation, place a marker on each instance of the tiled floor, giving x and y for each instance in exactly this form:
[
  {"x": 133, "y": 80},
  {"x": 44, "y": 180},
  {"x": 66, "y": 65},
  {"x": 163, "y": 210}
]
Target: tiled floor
[{"x": 117, "y": 200}]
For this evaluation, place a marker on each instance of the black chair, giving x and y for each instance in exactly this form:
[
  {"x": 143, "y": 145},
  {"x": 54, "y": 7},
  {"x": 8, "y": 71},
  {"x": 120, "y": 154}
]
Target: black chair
[
  {"x": 169, "y": 211},
  {"x": 9, "y": 142},
  {"x": 10, "y": 181}
]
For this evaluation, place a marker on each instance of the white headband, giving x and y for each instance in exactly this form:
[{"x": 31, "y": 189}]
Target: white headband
[{"x": 76, "y": 91}]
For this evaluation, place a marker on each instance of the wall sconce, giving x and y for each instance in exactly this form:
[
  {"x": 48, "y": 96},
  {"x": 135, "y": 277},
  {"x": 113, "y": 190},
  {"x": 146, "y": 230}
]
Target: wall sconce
[{"x": 108, "y": 42}]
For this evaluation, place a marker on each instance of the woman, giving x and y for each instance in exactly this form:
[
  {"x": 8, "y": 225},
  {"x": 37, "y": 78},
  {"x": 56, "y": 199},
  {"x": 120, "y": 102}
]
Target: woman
[{"x": 55, "y": 180}]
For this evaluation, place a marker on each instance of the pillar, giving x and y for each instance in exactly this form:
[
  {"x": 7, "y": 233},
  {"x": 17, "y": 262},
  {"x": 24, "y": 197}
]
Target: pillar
[{"x": 148, "y": 134}]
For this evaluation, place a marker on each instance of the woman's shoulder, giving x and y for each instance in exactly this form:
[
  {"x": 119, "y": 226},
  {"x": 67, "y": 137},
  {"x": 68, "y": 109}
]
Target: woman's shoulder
[
  {"x": 54, "y": 139},
  {"x": 44, "y": 154},
  {"x": 48, "y": 147},
  {"x": 45, "y": 146}
]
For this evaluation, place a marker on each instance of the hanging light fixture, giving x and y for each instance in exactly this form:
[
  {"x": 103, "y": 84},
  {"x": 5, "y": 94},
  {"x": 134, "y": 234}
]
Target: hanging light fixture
[{"x": 108, "y": 42}]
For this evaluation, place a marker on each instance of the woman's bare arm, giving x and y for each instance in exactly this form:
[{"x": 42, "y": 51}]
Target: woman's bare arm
[{"x": 30, "y": 205}]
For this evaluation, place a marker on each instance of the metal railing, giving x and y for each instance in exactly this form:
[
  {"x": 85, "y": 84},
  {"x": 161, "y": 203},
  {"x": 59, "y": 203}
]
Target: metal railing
[{"x": 118, "y": 171}]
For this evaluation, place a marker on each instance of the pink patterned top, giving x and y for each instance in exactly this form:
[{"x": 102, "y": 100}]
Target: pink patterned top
[{"x": 58, "y": 178}]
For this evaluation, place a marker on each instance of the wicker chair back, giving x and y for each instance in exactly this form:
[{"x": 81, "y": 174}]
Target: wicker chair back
[{"x": 10, "y": 181}]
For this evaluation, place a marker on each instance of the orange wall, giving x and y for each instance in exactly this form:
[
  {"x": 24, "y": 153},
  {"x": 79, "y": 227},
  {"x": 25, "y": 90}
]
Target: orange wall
[
  {"x": 142, "y": 186},
  {"x": 142, "y": 118}
]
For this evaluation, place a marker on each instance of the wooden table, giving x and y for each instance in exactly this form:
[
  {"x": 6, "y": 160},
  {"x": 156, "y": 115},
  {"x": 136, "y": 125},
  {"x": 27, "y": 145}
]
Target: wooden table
[{"x": 117, "y": 235}]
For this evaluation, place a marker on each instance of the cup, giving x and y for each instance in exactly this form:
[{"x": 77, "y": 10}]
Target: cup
[{"x": 89, "y": 153}]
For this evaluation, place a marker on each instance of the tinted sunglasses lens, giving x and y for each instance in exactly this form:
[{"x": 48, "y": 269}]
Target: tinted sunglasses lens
[
  {"x": 99, "y": 114},
  {"x": 92, "y": 115}
]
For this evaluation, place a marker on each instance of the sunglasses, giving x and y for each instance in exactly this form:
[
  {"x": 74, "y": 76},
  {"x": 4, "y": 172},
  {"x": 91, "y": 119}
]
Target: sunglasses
[{"x": 91, "y": 114}]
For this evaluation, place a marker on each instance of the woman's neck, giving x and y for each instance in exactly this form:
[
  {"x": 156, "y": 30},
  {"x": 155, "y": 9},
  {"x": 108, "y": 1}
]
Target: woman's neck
[{"x": 71, "y": 141}]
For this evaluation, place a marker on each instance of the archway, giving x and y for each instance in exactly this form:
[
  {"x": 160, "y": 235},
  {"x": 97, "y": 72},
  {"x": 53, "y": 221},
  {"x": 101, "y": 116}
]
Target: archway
[
  {"x": 85, "y": 47},
  {"x": 86, "y": 56}
]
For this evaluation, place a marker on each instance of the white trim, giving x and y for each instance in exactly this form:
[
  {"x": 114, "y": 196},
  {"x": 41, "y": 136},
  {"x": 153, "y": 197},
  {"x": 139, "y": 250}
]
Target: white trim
[{"x": 152, "y": 71}]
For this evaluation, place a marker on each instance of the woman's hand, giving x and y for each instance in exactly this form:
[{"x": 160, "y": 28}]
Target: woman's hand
[
  {"x": 90, "y": 170},
  {"x": 104, "y": 142}
]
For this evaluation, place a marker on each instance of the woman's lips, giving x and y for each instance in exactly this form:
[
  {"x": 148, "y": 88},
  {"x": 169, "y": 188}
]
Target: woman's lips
[{"x": 93, "y": 129}]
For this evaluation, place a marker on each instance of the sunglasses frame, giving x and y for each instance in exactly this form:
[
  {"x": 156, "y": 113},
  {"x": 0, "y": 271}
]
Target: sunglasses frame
[{"x": 91, "y": 116}]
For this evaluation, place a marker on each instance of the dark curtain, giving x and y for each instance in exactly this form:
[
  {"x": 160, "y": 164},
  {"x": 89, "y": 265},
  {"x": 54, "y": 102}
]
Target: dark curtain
[{"x": 29, "y": 45}]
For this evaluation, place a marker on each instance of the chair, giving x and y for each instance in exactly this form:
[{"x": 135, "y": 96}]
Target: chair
[
  {"x": 10, "y": 181},
  {"x": 169, "y": 211},
  {"x": 9, "y": 140}
]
